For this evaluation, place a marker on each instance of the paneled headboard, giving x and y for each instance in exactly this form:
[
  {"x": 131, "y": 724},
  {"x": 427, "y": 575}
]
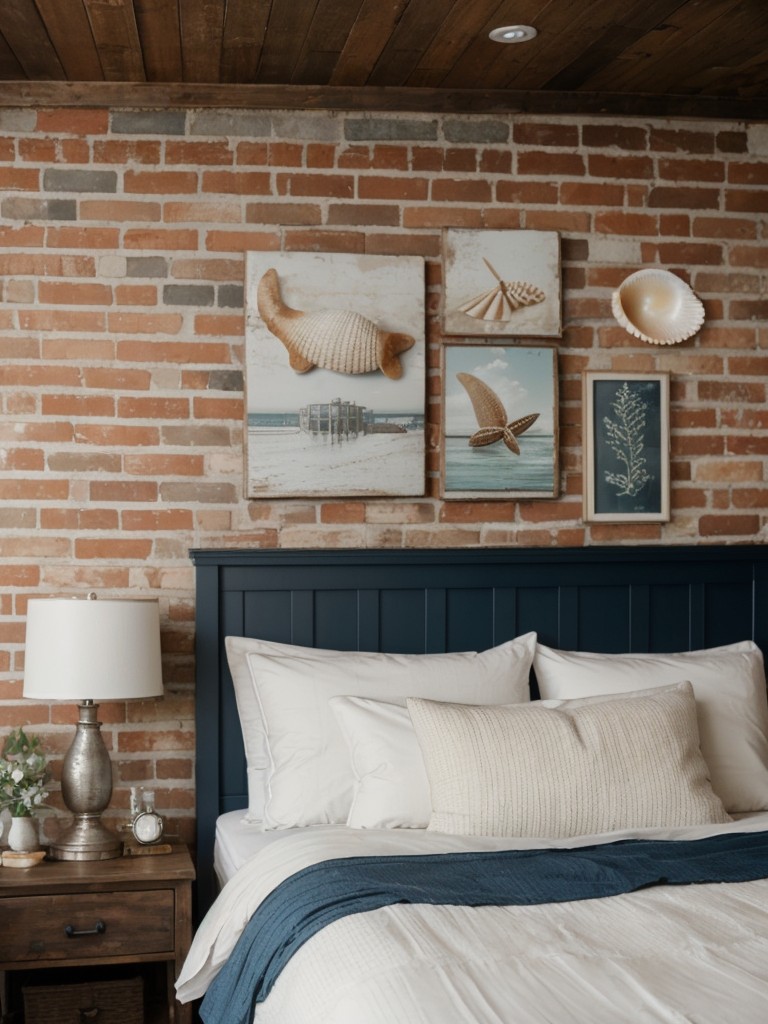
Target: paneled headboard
[{"x": 417, "y": 601}]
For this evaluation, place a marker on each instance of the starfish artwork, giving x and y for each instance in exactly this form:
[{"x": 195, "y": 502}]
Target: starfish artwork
[{"x": 492, "y": 416}]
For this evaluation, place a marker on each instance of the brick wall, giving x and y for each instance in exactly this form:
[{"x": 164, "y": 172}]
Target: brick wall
[{"x": 122, "y": 236}]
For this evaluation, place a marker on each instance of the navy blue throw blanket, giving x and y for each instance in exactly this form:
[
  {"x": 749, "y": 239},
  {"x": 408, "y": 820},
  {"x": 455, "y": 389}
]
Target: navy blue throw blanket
[{"x": 325, "y": 892}]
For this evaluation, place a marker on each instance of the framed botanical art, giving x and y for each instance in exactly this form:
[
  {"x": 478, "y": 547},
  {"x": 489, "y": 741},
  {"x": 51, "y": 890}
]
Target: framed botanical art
[
  {"x": 500, "y": 422},
  {"x": 502, "y": 283},
  {"x": 335, "y": 370},
  {"x": 626, "y": 447}
]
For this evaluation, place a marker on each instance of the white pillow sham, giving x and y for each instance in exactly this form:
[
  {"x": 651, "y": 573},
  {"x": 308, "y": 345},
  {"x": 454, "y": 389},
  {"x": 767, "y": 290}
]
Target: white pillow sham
[
  {"x": 730, "y": 690},
  {"x": 256, "y": 757},
  {"x": 310, "y": 778},
  {"x": 391, "y": 784},
  {"x": 546, "y": 772}
]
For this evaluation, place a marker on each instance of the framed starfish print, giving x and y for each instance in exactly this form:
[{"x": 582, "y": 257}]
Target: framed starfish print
[
  {"x": 626, "y": 447},
  {"x": 500, "y": 422}
]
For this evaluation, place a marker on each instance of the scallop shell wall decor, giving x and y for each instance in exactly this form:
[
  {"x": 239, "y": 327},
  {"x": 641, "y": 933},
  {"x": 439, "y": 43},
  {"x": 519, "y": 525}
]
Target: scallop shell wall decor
[
  {"x": 657, "y": 306},
  {"x": 335, "y": 339}
]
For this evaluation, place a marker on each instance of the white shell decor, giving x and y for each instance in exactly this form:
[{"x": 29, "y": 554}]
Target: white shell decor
[
  {"x": 492, "y": 417},
  {"x": 334, "y": 339},
  {"x": 658, "y": 307},
  {"x": 501, "y": 302}
]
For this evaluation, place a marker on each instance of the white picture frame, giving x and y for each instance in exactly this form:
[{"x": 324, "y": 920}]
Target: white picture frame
[{"x": 626, "y": 447}]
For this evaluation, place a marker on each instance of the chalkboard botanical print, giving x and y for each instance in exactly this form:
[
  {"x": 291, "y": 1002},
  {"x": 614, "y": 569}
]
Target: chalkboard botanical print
[
  {"x": 626, "y": 447},
  {"x": 335, "y": 374},
  {"x": 500, "y": 421}
]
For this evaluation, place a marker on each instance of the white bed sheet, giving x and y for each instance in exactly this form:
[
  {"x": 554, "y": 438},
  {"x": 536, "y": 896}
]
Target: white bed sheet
[
  {"x": 665, "y": 955},
  {"x": 237, "y": 840}
]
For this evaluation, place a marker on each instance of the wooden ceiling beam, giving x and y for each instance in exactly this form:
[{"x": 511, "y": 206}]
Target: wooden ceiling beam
[{"x": 372, "y": 99}]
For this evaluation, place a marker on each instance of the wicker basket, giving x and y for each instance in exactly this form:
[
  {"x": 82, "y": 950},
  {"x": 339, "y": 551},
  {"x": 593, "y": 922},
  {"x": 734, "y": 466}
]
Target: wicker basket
[{"x": 103, "y": 1002}]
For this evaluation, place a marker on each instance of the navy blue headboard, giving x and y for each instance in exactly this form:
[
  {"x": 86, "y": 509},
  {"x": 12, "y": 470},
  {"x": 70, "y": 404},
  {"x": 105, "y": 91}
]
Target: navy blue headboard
[{"x": 417, "y": 601}]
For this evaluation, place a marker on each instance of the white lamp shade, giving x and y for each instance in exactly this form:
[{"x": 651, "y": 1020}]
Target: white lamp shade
[{"x": 105, "y": 649}]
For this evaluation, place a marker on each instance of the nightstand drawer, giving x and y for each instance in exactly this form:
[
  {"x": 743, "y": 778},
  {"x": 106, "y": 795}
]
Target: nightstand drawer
[{"x": 87, "y": 926}]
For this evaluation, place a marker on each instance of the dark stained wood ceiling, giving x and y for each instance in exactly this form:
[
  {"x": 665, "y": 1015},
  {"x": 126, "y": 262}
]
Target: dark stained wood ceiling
[{"x": 646, "y": 57}]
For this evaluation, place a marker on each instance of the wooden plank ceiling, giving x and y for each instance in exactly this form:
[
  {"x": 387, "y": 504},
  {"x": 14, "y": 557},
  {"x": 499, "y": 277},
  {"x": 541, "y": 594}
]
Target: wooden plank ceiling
[{"x": 676, "y": 57}]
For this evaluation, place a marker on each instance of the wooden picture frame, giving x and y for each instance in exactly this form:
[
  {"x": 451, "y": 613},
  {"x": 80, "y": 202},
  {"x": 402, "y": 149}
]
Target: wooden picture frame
[
  {"x": 500, "y": 421},
  {"x": 626, "y": 447},
  {"x": 502, "y": 283}
]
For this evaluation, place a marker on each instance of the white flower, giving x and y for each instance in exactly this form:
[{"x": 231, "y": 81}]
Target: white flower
[{"x": 17, "y": 775}]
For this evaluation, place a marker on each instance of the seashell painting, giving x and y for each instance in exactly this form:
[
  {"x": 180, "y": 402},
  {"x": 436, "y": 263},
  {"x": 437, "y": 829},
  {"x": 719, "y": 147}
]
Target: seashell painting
[
  {"x": 335, "y": 375},
  {"x": 503, "y": 301},
  {"x": 525, "y": 294},
  {"x": 499, "y": 393},
  {"x": 335, "y": 339},
  {"x": 492, "y": 417}
]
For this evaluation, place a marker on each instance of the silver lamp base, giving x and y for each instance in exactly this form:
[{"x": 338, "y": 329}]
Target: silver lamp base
[
  {"x": 86, "y": 787},
  {"x": 86, "y": 839}
]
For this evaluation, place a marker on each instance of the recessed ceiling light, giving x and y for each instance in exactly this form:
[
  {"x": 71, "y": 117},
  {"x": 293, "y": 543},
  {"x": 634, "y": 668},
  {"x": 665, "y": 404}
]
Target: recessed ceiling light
[{"x": 513, "y": 34}]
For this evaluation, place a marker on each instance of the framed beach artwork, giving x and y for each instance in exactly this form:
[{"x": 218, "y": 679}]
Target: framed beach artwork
[
  {"x": 626, "y": 447},
  {"x": 502, "y": 283},
  {"x": 500, "y": 421},
  {"x": 335, "y": 369}
]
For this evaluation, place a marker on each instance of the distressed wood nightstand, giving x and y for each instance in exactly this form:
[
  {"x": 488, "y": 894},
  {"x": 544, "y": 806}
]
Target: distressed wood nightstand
[{"x": 93, "y": 914}]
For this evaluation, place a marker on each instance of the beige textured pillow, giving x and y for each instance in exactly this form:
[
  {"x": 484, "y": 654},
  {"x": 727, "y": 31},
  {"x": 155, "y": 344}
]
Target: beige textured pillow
[{"x": 529, "y": 770}]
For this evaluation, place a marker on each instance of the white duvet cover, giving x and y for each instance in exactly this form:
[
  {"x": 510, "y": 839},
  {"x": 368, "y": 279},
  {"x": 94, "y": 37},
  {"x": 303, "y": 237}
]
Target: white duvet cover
[{"x": 672, "y": 954}]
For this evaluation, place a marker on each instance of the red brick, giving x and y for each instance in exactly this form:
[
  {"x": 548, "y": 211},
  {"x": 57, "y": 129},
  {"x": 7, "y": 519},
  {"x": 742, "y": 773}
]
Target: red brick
[
  {"x": 728, "y": 525},
  {"x": 624, "y": 167},
  {"x": 545, "y": 134},
  {"x": 162, "y": 519},
  {"x": 119, "y": 210},
  {"x": 78, "y": 405},
  {"x": 73, "y": 121},
  {"x": 112, "y": 549},
  {"x": 73, "y": 294},
  {"x": 378, "y": 187},
  {"x": 338, "y": 186},
  {"x": 453, "y": 191},
  {"x": 321, "y": 155},
  {"x": 172, "y": 239},
  {"x": 241, "y": 183},
  {"x": 165, "y": 183},
  {"x": 573, "y": 193},
  {"x": 548, "y": 163}
]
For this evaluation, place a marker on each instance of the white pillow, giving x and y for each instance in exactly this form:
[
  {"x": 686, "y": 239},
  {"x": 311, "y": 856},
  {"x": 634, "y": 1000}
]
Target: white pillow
[
  {"x": 391, "y": 784},
  {"x": 257, "y": 760},
  {"x": 730, "y": 691},
  {"x": 310, "y": 776},
  {"x": 567, "y": 771}
]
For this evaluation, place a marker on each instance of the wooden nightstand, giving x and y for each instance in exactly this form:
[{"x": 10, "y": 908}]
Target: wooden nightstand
[{"x": 130, "y": 910}]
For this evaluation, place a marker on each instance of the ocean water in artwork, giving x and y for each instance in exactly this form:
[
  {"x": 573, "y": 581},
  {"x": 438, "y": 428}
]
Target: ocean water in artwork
[{"x": 495, "y": 468}]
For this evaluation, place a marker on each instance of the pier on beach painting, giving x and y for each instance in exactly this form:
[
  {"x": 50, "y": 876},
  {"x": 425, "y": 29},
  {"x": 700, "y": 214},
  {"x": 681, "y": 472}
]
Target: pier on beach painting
[
  {"x": 335, "y": 360},
  {"x": 500, "y": 421}
]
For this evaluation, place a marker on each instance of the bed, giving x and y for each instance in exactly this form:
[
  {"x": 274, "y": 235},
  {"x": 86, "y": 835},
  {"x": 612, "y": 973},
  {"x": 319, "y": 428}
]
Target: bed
[{"x": 402, "y": 892}]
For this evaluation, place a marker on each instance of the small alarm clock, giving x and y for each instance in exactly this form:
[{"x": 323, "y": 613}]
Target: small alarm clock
[{"x": 147, "y": 824}]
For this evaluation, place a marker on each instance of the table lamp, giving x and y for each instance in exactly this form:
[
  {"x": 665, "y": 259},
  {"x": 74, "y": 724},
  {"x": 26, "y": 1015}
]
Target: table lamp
[{"x": 90, "y": 650}]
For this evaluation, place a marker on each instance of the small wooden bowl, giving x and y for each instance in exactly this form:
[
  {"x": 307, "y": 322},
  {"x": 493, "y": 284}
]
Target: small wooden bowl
[{"x": 12, "y": 859}]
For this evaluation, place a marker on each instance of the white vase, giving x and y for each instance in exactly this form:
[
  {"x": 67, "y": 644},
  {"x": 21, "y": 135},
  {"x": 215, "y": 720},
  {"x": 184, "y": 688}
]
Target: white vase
[{"x": 23, "y": 835}]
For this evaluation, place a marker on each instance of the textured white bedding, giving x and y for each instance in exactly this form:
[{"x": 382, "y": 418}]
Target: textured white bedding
[{"x": 664, "y": 954}]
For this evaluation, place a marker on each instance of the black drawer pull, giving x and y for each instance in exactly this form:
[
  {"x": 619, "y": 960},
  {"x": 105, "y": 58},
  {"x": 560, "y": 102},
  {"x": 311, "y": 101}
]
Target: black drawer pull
[{"x": 72, "y": 933}]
